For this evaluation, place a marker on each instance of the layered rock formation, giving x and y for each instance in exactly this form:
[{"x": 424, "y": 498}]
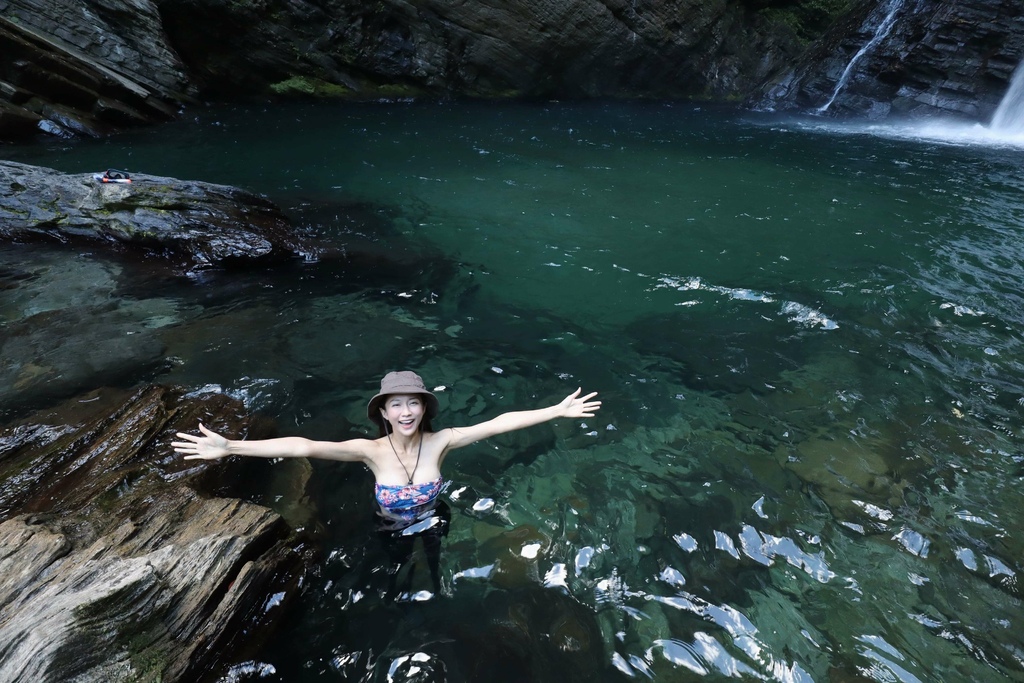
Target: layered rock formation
[
  {"x": 84, "y": 66},
  {"x": 936, "y": 58},
  {"x": 580, "y": 48},
  {"x": 117, "y": 562},
  {"x": 160, "y": 54},
  {"x": 190, "y": 223}
]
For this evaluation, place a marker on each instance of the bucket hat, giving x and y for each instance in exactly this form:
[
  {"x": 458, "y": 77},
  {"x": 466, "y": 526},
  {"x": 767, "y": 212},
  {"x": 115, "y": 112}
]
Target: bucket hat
[{"x": 404, "y": 382}]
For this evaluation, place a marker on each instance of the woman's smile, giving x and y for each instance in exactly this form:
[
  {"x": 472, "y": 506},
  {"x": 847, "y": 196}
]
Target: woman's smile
[{"x": 404, "y": 412}]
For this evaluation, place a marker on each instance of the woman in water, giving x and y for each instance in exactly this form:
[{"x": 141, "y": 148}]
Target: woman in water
[{"x": 405, "y": 460}]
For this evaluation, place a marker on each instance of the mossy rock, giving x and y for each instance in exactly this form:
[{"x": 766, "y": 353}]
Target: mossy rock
[{"x": 310, "y": 87}]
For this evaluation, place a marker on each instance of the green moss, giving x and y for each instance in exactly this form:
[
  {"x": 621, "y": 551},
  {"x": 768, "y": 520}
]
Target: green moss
[
  {"x": 148, "y": 660},
  {"x": 390, "y": 91},
  {"x": 510, "y": 94},
  {"x": 310, "y": 87},
  {"x": 808, "y": 19}
]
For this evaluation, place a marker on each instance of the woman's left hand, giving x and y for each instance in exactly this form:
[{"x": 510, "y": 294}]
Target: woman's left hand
[{"x": 575, "y": 405}]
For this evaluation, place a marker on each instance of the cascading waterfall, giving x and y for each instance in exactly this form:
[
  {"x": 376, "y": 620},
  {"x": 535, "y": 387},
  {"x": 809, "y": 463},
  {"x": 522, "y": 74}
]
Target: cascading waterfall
[
  {"x": 1009, "y": 116},
  {"x": 880, "y": 33}
]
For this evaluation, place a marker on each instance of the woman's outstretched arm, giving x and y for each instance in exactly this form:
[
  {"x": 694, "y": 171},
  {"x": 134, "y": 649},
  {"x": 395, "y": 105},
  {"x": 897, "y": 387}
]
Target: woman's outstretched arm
[
  {"x": 210, "y": 445},
  {"x": 572, "y": 405}
]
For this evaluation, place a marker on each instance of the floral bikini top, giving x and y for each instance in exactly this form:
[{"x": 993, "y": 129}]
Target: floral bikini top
[{"x": 405, "y": 501}]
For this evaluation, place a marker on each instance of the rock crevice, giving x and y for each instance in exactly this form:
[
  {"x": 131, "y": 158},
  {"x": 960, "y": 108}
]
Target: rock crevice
[{"x": 116, "y": 563}]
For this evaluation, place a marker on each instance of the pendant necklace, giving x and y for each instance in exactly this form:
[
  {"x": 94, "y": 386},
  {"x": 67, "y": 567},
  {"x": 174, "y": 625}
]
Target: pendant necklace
[{"x": 404, "y": 468}]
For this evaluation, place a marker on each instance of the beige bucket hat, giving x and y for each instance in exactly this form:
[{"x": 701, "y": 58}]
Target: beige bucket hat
[{"x": 404, "y": 382}]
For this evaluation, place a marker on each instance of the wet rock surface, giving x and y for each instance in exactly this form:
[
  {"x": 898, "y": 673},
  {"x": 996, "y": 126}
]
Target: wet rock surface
[
  {"x": 88, "y": 68},
  {"x": 116, "y": 63},
  {"x": 189, "y": 223},
  {"x": 85, "y": 68},
  {"x": 582, "y": 48},
  {"x": 938, "y": 59},
  {"x": 119, "y": 561}
]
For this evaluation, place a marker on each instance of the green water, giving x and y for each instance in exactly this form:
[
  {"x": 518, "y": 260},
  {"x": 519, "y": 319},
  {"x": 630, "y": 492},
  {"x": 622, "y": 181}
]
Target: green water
[{"x": 807, "y": 340}]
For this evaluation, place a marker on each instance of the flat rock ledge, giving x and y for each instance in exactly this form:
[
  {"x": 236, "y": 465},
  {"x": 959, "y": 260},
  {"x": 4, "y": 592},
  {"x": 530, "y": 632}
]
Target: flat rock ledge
[
  {"x": 192, "y": 224},
  {"x": 116, "y": 563}
]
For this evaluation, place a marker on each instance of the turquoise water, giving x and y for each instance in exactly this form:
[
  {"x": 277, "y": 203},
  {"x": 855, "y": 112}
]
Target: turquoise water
[{"x": 807, "y": 339}]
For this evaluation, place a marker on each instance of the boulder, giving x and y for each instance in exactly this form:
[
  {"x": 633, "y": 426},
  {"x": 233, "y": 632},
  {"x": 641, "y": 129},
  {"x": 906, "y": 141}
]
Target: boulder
[
  {"x": 116, "y": 562},
  {"x": 193, "y": 224}
]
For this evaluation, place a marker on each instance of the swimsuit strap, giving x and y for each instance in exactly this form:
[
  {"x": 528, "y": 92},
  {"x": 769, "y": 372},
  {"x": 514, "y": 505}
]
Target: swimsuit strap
[{"x": 404, "y": 468}]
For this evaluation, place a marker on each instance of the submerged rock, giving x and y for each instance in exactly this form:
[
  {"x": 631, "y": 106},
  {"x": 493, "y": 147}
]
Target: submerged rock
[
  {"x": 191, "y": 223},
  {"x": 117, "y": 563},
  {"x": 42, "y": 360},
  {"x": 529, "y": 634}
]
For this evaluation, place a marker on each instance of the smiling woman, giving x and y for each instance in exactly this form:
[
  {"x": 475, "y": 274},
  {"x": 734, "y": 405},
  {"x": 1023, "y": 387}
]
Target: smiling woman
[{"x": 405, "y": 459}]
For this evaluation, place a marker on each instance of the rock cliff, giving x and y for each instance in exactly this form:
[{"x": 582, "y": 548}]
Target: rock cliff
[
  {"x": 150, "y": 57},
  {"x": 531, "y": 48},
  {"x": 935, "y": 58},
  {"x": 85, "y": 66},
  {"x": 118, "y": 561}
]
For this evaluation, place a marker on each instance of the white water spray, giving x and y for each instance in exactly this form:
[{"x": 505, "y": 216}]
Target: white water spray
[
  {"x": 880, "y": 33},
  {"x": 1009, "y": 116}
]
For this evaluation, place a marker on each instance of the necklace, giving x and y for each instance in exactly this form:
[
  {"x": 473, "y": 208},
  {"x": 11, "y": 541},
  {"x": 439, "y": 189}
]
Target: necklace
[{"x": 404, "y": 468}]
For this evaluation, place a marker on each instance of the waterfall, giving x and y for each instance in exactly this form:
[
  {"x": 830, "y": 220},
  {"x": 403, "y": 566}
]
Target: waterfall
[
  {"x": 1009, "y": 116},
  {"x": 880, "y": 33}
]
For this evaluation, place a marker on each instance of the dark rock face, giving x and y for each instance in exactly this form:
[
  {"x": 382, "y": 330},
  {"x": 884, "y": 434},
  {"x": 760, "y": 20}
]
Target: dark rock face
[
  {"x": 191, "y": 223},
  {"x": 118, "y": 565},
  {"x": 82, "y": 66},
  {"x": 526, "y": 48},
  {"x": 85, "y": 68},
  {"x": 938, "y": 58}
]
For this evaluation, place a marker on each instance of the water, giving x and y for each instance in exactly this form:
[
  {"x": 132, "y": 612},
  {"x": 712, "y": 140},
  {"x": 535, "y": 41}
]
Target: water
[
  {"x": 1009, "y": 116},
  {"x": 807, "y": 339},
  {"x": 881, "y": 32}
]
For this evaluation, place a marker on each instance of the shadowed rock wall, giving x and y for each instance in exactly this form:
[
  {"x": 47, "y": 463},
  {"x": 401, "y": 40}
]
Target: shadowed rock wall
[
  {"x": 65, "y": 65},
  {"x": 531, "y": 48},
  {"x": 86, "y": 67},
  {"x": 940, "y": 58}
]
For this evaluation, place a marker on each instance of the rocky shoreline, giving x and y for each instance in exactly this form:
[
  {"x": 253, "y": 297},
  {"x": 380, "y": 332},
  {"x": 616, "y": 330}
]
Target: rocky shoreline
[
  {"x": 119, "y": 560},
  {"x": 122, "y": 561}
]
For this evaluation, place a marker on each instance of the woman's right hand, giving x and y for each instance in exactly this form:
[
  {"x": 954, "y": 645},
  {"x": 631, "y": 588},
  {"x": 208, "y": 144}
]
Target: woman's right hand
[{"x": 209, "y": 446}]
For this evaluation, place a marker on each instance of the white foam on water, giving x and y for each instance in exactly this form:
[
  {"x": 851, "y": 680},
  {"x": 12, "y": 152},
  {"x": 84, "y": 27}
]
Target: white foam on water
[
  {"x": 940, "y": 131},
  {"x": 556, "y": 576},
  {"x": 530, "y": 550},
  {"x": 796, "y": 312},
  {"x": 474, "y": 573}
]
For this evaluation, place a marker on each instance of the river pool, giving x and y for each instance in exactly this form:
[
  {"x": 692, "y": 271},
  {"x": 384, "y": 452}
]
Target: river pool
[{"x": 807, "y": 337}]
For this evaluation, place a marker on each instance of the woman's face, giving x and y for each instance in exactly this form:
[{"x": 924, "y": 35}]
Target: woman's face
[{"x": 404, "y": 412}]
